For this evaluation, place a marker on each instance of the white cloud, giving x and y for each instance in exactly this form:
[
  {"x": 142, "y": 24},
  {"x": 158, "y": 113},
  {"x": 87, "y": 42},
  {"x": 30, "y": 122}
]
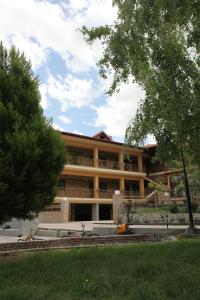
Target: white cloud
[
  {"x": 58, "y": 127},
  {"x": 37, "y": 27},
  {"x": 43, "y": 93},
  {"x": 73, "y": 92},
  {"x": 42, "y": 25},
  {"x": 150, "y": 139},
  {"x": 32, "y": 50},
  {"x": 64, "y": 119},
  {"x": 115, "y": 115}
]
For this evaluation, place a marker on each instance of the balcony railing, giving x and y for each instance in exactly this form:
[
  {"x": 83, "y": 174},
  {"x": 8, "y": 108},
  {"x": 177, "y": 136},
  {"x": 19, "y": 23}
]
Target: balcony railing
[
  {"x": 106, "y": 194},
  {"x": 90, "y": 193},
  {"x": 108, "y": 164},
  {"x": 84, "y": 193},
  {"x": 75, "y": 192},
  {"x": 104, "y": 164},
  {"x": 131, "y": 193},
  {"x": 80, "y": 161},
  {"x": 130, "y": 167}
]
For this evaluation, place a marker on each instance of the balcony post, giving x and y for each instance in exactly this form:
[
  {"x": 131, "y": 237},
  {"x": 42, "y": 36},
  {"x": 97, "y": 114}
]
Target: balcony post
[
  {"x": 121, "y": 185},
  {"x": 121, "y": 160},
  {"x": 96, "y": 157},
  {"x": 140, "y": 168},
  {"x": 141, "y": 187},
  {"x": 96, "y": 186}
]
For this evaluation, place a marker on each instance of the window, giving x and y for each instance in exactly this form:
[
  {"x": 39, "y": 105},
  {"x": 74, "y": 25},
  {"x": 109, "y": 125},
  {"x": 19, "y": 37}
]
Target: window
[
  {"x": 61, "y": 184},
  {"x": 103, "y": 186}
]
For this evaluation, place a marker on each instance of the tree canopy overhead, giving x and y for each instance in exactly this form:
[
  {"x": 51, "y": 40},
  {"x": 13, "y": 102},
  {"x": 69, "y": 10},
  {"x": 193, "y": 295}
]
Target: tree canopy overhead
[
  {"x": 156, "y": 43},
  {"x": 32, "y": 153}
]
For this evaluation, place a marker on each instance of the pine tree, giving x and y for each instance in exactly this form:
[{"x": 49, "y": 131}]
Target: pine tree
[{"x": 32, "y": 153}]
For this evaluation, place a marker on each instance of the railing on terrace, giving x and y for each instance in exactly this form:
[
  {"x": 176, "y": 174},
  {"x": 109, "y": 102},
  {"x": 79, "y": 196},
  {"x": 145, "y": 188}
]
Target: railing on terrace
[
  {"x": 75, "y": 192},
  {"x": 104, "y": 164},
  {"x": 131, "y": 193},
  {"x": 130, "y": 167},
  {"x": 90, "y": 193},
  {"x": 84, "y": 193},
  {"x": 106, "y": 194},
  {"x": 80, "y": 161},
  {"x": 108, "y": 164}
]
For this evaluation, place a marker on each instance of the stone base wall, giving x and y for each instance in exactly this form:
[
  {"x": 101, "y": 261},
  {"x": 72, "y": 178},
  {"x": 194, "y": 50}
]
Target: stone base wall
[
  {"x": 159, "y": 218},
  {"x": 77, "y": 242},
  {"x": 61, "y": 216}
]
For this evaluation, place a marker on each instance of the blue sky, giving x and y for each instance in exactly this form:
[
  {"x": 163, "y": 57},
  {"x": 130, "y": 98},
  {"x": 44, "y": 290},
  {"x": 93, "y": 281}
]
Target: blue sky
[{"x": 72, "y": 93}]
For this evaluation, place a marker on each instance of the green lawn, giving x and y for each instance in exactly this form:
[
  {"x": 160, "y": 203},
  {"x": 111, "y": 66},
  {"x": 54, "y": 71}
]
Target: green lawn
[{"x": 140, "y": 271}]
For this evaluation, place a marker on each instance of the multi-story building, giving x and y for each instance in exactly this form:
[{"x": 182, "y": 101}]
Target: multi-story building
[{"x": 96, "y": 168}]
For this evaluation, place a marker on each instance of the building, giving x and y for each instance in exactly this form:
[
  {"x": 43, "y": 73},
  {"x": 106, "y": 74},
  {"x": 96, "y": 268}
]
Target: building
[{"x": 96, "y": 168}]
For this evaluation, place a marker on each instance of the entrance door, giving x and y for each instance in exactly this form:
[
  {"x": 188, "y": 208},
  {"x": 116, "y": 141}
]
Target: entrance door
[
  {"x": 105, "y": 212},
  {"x": 81, "y": 212}
]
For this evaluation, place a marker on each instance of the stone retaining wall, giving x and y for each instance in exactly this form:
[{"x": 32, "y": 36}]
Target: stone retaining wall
[
  {"x": 159, "y": 218},
  {"x": 71, "y": 242}
]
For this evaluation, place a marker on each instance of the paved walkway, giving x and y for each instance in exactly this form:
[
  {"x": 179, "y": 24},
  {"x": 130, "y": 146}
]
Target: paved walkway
[
  {"x": 89, "y": 225},
  {"x": 12, "y": 239},
  {"x": 77, "y": 226}
]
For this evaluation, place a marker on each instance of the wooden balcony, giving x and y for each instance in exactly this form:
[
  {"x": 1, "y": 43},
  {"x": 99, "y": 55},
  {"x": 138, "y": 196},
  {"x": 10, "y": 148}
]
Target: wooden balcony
[
  {"x": 89, "y": 193},
  {"x": 108, "y": 164},
  {"x": 75, "y": 192},
  {"x": 131, "y": 193},
  {"x": 106, "y": 194},
  {"x": 103, "y": 164},
  {"x": 80, "y": 161},
  {"x": 130, "y": 167}
]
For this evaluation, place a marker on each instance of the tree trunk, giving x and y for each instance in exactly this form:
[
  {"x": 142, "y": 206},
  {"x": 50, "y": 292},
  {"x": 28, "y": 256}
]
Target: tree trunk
[{"x": 192, "y": 228}]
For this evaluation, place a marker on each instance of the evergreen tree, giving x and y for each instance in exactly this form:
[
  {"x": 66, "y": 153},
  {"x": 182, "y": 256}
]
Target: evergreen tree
[{"x": 32, "y": 153}]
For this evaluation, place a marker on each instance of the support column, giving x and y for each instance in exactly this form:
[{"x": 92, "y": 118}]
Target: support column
[
  {"x": 95, "y": 212},
  {"x": 121, "y": 161},
  {"x": 96, "y": 157},
  {"x": 140, "y": 168},
  {"x": 65, "y": 208},
  {"x": 96, "y": 186},
  {"x": 168, "y": 183},
  {"x": 141, "y": 185},
  {"x": 121, "y": 185}
]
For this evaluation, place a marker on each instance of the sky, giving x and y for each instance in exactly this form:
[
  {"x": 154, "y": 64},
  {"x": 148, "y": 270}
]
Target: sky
[{"x": 72, "y": 93}]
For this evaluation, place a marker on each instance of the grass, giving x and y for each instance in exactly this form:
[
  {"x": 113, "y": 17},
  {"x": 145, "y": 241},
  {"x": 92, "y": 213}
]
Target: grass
[{"x": 133, "y": 272}]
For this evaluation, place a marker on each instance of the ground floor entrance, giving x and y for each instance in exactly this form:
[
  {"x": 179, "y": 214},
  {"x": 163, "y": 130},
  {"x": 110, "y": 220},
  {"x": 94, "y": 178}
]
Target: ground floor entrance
[
  {"x": 90, "y": 212},
  {"x": 81, "y": 212},
  {"x": 105, "y": 212}
]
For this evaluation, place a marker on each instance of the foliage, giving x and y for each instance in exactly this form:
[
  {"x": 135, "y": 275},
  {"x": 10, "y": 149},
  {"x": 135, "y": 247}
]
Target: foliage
[
  {"x": 178, "y": 180},
  {"x": 156, "y": 186},
  {"x": 156, "y": 44},
  {"x": 31, "y": 152},
  {"x": 173, "y": 209}
]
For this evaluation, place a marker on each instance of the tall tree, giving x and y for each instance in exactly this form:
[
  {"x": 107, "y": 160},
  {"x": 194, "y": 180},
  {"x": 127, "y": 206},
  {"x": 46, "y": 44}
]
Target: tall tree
[
  {"x": 32, "y": 153},
  {"x": 156, "y": 43}
]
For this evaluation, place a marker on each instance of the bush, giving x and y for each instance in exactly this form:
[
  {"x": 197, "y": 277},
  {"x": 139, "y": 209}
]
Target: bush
[
  {"x": 173, "y": 209},
  {"x": 195, "y": 206}
]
